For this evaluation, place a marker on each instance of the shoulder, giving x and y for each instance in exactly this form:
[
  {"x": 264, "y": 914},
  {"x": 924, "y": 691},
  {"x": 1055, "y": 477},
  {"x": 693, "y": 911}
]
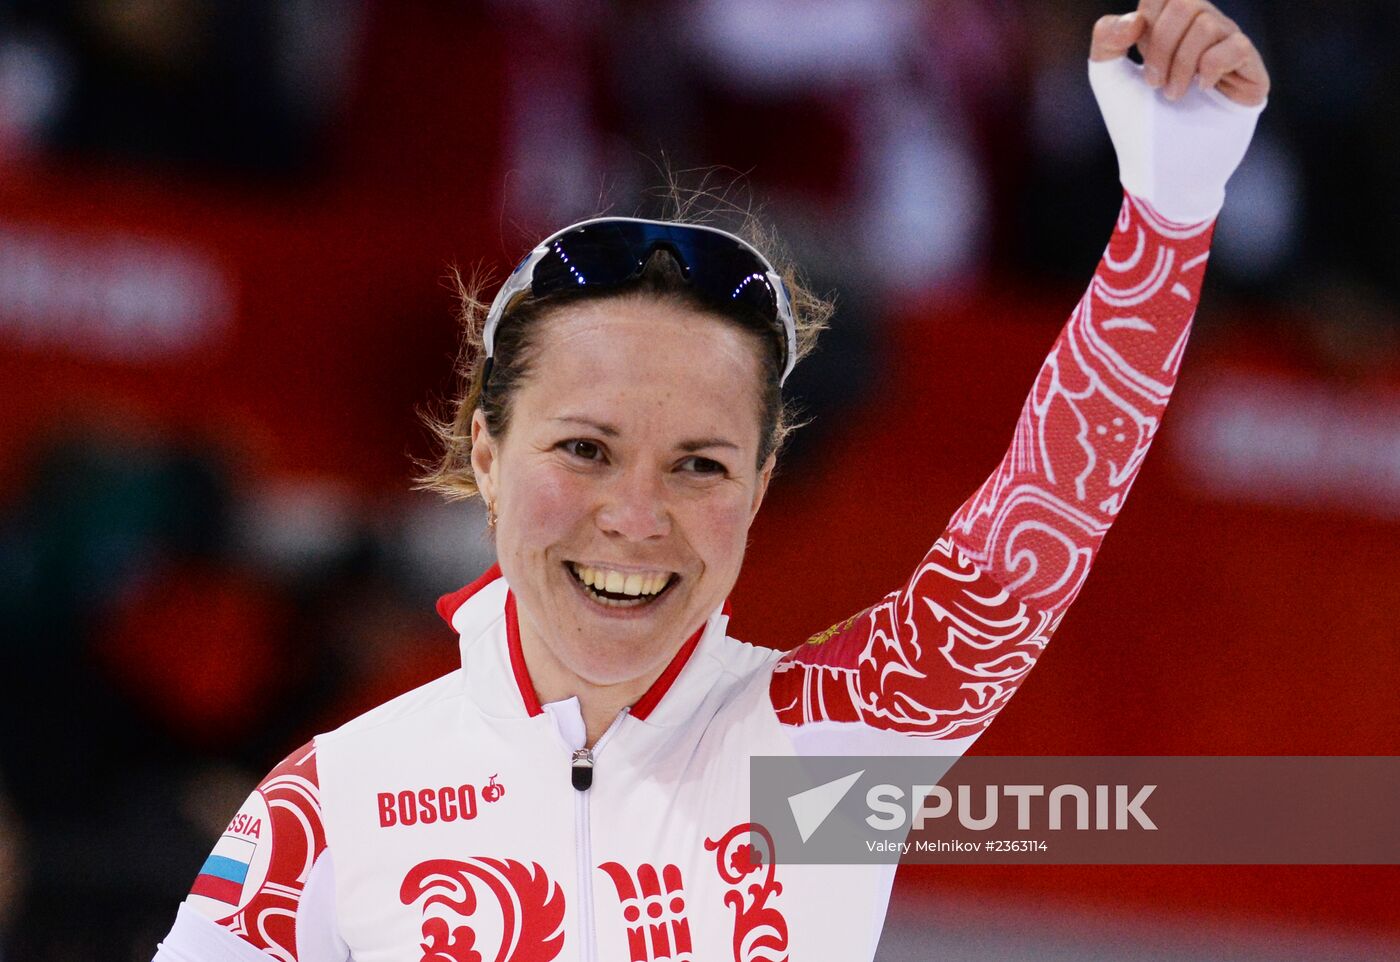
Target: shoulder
[
  {"x": 744, "y": 659},
  {"x": 406, "y": 709},
  {"x": 256, "y": 881},
  {"x": 409, "y": 728},
  {"x": 253, "y": 881},
  {"x": 745, "y": 667}
]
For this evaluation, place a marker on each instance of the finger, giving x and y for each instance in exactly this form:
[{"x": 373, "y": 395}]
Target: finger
[
  {"x": 1114, "y": 36},
  {"x": 1222, "y": 58},
  {"x": 1205, "y": 31},
  {"x": 1164, "y": 36},
  {"x": 1242, "y": 92},
  {"x": 1253, "y": 72},
  {"x": 1149, "y": 10},
  {"x": 1235, "y": 68}
]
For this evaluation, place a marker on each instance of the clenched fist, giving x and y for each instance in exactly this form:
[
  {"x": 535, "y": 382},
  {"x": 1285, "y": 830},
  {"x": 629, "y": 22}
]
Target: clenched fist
[{"x": 1183, "y": 41}]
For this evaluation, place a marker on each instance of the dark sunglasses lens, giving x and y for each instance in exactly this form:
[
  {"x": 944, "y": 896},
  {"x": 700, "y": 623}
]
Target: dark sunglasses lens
[
  {"x": 734, "y": 279},
  {"x": 608, "y": 254},
  {"x": 594, "y": 256}
]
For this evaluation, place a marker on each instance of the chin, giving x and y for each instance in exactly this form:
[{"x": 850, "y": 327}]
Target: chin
[{"x": 615, "y": 668}]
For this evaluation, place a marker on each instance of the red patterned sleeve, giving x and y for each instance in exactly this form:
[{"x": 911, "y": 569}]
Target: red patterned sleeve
[
  {"x": 941, "y": 656},
  {"x": 253, "y": 881}
]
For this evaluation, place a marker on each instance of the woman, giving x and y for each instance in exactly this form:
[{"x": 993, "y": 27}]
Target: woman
[{"x": 579, "y": 789}]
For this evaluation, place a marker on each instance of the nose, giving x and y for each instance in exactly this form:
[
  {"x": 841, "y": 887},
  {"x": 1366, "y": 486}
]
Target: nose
[{"x": 635, "y": 506}]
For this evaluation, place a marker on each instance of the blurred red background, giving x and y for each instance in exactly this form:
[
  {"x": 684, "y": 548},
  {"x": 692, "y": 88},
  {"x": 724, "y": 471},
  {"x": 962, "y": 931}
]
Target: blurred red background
[{"x": 286, "y": 328}]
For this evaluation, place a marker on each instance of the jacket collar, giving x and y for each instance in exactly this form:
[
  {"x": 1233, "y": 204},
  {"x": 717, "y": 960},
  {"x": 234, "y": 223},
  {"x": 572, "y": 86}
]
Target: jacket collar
[{"x": 484, "y": 617}]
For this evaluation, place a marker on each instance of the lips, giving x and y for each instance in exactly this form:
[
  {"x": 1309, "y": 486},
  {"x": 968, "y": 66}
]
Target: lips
[{"x": 616, "y": 588}]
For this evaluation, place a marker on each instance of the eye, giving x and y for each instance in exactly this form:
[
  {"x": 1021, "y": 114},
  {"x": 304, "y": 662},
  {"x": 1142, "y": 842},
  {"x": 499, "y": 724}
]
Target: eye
[
  {"x": 704, "y": 466},
  {"x": 583, "y": 450}
]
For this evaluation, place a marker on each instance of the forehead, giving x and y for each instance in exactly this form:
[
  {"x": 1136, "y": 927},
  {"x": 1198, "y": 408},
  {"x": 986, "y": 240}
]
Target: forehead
[{"x": 644, "y": 361}]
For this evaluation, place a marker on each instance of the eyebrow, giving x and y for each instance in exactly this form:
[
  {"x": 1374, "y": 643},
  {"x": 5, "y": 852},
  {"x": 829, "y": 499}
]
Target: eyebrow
[
  {"x": 700, "y": 444},
  {"x": 610, "y": 431},
  {"x": 607, "y": 430}
]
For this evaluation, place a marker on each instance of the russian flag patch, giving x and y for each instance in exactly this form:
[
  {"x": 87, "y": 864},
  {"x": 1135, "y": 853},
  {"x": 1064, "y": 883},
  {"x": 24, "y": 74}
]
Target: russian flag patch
[{"x": 225, "y": 870}]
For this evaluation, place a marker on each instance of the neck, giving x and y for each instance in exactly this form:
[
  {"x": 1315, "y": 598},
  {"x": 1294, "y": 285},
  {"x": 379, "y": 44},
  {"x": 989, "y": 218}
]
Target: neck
[{"x": 599, "y": 703}]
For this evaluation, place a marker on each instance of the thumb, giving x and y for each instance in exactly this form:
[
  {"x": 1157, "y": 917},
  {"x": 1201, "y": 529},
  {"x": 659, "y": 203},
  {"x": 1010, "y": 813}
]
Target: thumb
[{"x": 1114, "y": 35}]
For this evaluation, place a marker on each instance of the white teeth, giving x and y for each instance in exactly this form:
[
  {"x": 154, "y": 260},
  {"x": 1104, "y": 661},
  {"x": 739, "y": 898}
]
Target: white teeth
[
  {"x": 636, "y": 585},
  {"x": 620, "y": 602}
]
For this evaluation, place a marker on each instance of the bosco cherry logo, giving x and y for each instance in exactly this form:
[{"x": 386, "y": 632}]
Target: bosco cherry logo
[{"x": 493, "y": 792}]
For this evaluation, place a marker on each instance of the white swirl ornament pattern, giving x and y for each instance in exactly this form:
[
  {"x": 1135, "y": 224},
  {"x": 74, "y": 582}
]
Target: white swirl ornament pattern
[{"x": 940, "y": 657}]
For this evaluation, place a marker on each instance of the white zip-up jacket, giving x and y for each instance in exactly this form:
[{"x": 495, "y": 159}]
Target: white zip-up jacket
[{"x": 455, "y": 823}]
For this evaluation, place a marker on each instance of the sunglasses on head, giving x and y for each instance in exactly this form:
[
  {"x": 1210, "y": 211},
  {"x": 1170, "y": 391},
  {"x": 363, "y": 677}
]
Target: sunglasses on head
[{"x": 609, "y": 251}]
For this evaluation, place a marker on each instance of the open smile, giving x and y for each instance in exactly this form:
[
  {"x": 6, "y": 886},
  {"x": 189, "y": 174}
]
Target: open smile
[{"x": 614, "y": 588}]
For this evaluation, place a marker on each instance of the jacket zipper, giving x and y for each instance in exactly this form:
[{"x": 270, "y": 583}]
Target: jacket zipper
[{"x": 581, "y": 774}]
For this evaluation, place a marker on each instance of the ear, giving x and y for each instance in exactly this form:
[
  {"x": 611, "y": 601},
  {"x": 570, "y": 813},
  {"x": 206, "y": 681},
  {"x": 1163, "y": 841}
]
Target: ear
[
  {"x": 765, "y": 474},
  {"x": 483, "y": 457}
]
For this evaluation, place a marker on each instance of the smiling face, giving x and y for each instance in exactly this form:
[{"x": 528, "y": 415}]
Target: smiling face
[{"x": 625, "y": 484}]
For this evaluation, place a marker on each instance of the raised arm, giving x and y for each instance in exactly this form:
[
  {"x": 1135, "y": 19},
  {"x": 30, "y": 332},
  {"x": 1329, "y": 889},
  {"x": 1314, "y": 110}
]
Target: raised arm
[{"x": 939, "y": 657}]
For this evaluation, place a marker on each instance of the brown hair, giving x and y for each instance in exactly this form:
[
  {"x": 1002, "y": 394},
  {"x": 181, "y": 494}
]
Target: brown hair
[{"x": 451, "y": 474}]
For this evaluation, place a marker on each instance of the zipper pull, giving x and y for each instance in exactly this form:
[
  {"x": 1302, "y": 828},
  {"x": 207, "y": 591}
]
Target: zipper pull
[{"x": 581, "y": 769}]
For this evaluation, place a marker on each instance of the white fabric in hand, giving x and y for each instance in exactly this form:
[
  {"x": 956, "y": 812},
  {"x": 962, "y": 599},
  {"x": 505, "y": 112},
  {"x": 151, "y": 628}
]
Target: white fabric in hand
[{"x": 1178, "y": 155}]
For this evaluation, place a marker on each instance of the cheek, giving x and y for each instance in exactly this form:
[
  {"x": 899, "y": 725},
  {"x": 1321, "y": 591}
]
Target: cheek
[
  {"x": 720, "y": 529},
  {"x": 546, "y": 505}
]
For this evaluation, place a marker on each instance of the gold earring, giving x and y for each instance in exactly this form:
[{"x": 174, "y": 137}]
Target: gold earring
[{"x": 491, "y": 514}]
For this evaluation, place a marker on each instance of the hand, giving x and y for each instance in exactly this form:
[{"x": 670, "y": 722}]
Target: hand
[{"x": 1185, "y": 40}]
